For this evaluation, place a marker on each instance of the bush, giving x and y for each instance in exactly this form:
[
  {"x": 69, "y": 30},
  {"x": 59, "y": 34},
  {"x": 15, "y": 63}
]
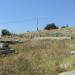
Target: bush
[
  {"x": 50, "y": 26},
  {"x": 6, "y": 32},
  {"x": 65, "y": 26}
]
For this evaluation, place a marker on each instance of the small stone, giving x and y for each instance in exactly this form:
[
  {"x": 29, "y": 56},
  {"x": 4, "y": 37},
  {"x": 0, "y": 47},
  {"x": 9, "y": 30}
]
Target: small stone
[{"x": 68, "y": 73}]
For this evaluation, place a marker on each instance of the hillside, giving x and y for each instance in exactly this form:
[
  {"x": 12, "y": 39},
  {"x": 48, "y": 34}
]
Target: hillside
[
  {"x": 39, "y": 56},
  {"x": 64, "y": 32}
]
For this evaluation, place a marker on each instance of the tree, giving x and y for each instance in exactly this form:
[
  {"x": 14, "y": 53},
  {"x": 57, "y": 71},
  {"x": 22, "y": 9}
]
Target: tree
[
  {"x": 50, "y": 26},
  {"x": 5, "y": 32}
]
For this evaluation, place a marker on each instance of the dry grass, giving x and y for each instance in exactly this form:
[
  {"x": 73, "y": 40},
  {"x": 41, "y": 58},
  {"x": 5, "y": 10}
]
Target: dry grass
[
  {"x": 38, "y": 57},
  {"x": 35, "y": 57}
]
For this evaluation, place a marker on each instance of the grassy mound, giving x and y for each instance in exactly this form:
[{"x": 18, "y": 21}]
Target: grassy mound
[{"x": 36, "y": 57}]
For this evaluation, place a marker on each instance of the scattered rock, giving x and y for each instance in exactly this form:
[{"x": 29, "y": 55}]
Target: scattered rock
[
  {"x": 65, "y": 65},
  {"x": 68, "y": 73}
]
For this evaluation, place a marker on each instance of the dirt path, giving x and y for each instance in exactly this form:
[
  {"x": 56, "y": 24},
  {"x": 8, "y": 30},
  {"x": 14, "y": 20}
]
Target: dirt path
[{"x": 40, "y": 38}]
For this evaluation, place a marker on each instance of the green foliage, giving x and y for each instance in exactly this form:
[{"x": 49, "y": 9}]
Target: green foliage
[
  {"x": 65, "y": 26},
  {"x": 5, "y": 32},
  {"x": 50, "y": 26}
]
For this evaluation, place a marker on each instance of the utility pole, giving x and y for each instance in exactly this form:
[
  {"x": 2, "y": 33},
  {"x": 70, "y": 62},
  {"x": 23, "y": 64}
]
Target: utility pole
[{"x": 37, "y": 24}]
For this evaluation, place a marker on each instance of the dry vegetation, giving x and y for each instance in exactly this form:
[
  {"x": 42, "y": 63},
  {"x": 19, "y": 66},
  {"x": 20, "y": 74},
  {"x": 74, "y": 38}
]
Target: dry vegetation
[{"x": 38, "y": 57}]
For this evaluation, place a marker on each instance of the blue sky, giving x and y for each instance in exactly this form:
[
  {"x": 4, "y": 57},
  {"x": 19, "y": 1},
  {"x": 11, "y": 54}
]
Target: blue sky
[{"x": 20, "y": 15}]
